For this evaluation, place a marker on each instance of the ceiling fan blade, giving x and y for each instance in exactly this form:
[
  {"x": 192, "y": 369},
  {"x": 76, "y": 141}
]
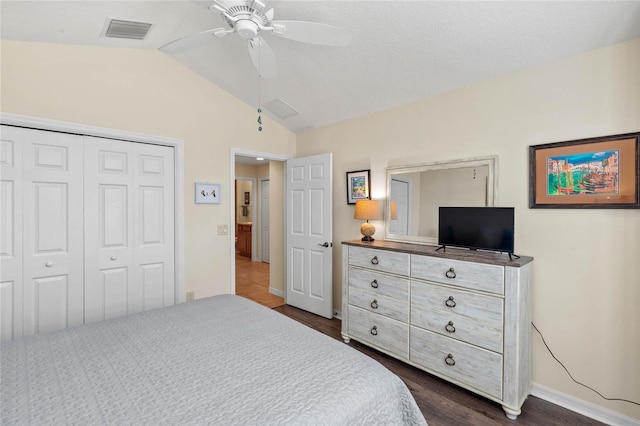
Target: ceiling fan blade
[
  {"x": 262, "y": 57},
  {"x": 189, "y": 42},
  {"x": 312, "y": 32}
]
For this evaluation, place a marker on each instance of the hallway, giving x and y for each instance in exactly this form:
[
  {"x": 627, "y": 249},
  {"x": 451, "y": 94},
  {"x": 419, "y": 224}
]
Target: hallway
[{"x": 252, "y": 282}]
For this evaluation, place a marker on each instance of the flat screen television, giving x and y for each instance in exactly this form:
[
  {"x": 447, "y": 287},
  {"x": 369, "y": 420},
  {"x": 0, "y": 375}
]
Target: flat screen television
[{"x": 477, "y": 228}]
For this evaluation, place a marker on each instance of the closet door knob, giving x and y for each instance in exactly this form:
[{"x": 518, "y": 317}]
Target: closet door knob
[{"x": 49, "y": 264}]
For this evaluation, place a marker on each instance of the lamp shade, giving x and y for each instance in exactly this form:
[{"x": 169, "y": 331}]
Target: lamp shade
[
  {"x": 394, "y": 210},
  {"x": 367, "y": 210}
]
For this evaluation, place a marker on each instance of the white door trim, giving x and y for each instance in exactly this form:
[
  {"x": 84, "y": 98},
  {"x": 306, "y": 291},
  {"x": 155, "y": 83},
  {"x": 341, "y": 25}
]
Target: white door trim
[
  {"x": 103, "y": 132},
  {"x": 232, "y": 176}
]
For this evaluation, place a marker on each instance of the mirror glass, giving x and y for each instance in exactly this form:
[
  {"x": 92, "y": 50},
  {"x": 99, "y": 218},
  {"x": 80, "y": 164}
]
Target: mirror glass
[{"x": 415, "y": 193}]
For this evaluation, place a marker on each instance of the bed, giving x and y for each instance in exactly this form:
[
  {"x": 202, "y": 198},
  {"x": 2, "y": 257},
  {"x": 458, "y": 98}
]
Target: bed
[{"x": 219, "y": 360}]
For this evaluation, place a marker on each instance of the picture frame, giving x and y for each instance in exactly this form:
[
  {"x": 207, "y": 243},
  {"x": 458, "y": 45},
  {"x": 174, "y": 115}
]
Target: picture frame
[
  {"x": 358, "y": 186},
  {"x": 595, "y": 173},
  {"x": 247, "y": 197},
  {"x": 207, "y": 193}
]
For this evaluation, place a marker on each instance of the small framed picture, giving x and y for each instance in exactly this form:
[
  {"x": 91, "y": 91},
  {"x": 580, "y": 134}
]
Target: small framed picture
[
  {"x": 207, "y": 193},
  {"x": 358, "y": 186}
]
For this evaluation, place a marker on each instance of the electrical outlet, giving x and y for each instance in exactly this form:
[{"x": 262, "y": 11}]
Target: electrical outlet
[
  {"x": 191, "y": 295},
  {"x": 223, "y": 230}
]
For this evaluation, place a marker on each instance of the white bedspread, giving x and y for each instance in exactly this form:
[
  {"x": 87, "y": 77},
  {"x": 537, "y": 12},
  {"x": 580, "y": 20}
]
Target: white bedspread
[{"x": 221, "y": 360}]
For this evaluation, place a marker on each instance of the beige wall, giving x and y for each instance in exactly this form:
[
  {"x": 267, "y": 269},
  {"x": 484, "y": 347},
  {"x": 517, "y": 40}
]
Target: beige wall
[
  {"x": 148, "y": 92},
  {"x": 586, "y": 286}
]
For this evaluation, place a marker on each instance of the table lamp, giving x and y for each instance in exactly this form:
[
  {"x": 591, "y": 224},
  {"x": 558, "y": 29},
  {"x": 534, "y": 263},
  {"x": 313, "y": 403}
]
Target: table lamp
[
  {"x": 367, "y": 210},
  {"x": 394, "y": 211}
]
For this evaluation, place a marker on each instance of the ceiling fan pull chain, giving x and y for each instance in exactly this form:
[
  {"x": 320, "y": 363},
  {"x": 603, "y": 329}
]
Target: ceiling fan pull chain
[{"x": 259, "y": 120}]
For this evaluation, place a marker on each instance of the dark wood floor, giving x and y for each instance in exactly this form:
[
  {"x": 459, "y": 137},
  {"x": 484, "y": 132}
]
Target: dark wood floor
[{"x": 443, "y": 403}]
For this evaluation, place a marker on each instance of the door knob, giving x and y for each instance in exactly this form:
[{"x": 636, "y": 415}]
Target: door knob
[{"x": 326, "y": 244}]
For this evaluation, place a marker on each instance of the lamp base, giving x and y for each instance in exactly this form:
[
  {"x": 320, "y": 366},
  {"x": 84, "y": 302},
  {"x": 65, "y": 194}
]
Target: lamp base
[{"x": 367, "y": 239}]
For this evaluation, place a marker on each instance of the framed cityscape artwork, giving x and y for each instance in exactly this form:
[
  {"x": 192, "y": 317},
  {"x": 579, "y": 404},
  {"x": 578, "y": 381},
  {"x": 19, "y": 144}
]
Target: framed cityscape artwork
[{"x": 602, "y": 172}]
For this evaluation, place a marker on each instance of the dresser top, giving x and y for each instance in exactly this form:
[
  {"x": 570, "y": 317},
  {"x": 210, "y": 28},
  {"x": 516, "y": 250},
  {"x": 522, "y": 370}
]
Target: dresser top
[{"x": 477, "y": 256}]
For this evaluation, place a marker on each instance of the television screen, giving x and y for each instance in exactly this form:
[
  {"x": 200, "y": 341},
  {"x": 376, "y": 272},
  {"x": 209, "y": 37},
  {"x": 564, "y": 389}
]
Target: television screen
[{"x": 484, "y": 228}]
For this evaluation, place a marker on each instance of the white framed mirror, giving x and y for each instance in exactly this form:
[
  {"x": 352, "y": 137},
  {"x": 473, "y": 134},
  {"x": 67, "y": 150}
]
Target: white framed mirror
[{"x": 415, "y": 192}]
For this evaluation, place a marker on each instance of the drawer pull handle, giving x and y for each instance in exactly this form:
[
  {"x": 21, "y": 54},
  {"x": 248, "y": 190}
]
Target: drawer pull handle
[
  {"x": 374, "y": 330},
  {"x": 374, "y": 283},
  {"x": 374, "y": 260},
  {"x": 449, "y": 360},
  {"x": 374, "y": 304},
  {"x": 451, "y": 274},
  {"x": 450, "y": 302},
  {"x": 49, "y": 264},
  {"x": 450, "y": 328}
]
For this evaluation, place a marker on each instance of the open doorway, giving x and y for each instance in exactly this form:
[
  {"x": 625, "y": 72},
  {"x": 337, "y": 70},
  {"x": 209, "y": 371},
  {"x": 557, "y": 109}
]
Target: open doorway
[{"x": 257, "y": 216}]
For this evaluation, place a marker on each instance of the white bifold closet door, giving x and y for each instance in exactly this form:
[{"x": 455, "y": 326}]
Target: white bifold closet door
[
  {"x": 129, "y": 228},
  {"x": 86, "y": 229},
  {"x": 42, "y": 235}
]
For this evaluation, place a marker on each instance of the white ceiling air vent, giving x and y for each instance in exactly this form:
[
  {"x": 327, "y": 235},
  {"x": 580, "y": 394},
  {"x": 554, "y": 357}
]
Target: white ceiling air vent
[
  {"x": 119, "y": 28},
  {"x": 281, "y": 108}
]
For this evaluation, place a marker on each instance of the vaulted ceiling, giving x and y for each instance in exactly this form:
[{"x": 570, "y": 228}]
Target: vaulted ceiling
[{"x": 401, "y": 51}]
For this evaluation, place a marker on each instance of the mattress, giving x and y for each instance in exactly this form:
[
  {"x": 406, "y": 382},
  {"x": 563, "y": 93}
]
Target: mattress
[{"x": 220, "y": 360}]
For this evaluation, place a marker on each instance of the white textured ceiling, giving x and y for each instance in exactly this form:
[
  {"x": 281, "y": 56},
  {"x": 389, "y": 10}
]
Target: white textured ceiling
[{"x": 401, "y": 50}]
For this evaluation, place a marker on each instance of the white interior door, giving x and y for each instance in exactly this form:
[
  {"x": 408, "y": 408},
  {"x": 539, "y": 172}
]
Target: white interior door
[
  {"x": 400, "y": 195},
  {"x": 10, "y": 233},
  {"x": 129, "y": 261},
  {"x": 52, "y": 231},
  {"x": 264, "y": 219},
  {"x": 308, "y": 234}
]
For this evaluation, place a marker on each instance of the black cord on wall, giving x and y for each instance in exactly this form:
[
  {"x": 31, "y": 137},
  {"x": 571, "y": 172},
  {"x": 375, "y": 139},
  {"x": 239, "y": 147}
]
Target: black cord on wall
[{"x": 581, "y": 384}]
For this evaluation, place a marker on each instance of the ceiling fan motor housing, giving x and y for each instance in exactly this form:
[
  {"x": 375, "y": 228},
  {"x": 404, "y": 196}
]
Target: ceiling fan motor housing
[{"x": 246, "y": 28}]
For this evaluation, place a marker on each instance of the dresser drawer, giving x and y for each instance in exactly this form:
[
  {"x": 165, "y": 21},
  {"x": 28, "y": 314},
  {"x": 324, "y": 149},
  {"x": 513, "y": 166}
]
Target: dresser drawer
[
  {"x": 386, "y": 285},
  {"x": 377, "y": 330},
  {"x": 376, "y": 303},
  {"x": 476, "y": 276},
  {"x": 471, "y": 317},
  {"x": 467, "y": 364},
  {"x": 380, "y": 260}
]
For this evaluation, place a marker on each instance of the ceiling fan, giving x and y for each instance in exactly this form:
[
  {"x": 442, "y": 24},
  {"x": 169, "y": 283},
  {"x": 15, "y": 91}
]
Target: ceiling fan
[{"x": 248, "y": 18}]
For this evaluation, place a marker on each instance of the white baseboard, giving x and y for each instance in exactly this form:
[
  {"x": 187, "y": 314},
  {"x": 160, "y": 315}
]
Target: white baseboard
[
  {"x": 276, "y": 292},
  {"x": 585, "y": 408}
]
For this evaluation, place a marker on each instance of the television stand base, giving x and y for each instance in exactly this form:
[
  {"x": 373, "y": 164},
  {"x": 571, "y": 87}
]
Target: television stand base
[
  {"x": 442, "y": 247},
  {"x": 512, "y": 255}
]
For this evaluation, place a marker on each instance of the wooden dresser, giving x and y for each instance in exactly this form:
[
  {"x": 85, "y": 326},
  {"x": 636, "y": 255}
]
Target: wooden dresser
[{"x": 461, "y": 315}]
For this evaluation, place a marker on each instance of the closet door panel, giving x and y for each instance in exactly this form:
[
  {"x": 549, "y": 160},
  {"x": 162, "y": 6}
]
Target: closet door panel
[
  {"x": 52, "y": 231},
  {"x": 154, "y": 225},
  {"x": 108, "y": 206},
  {"x": 129, "y": 228},
  {"x": 10, "y": 233}
]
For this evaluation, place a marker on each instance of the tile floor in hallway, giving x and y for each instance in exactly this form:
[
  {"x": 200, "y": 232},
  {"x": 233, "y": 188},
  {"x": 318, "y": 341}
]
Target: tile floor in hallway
[{"x": 252, "y": 282}]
